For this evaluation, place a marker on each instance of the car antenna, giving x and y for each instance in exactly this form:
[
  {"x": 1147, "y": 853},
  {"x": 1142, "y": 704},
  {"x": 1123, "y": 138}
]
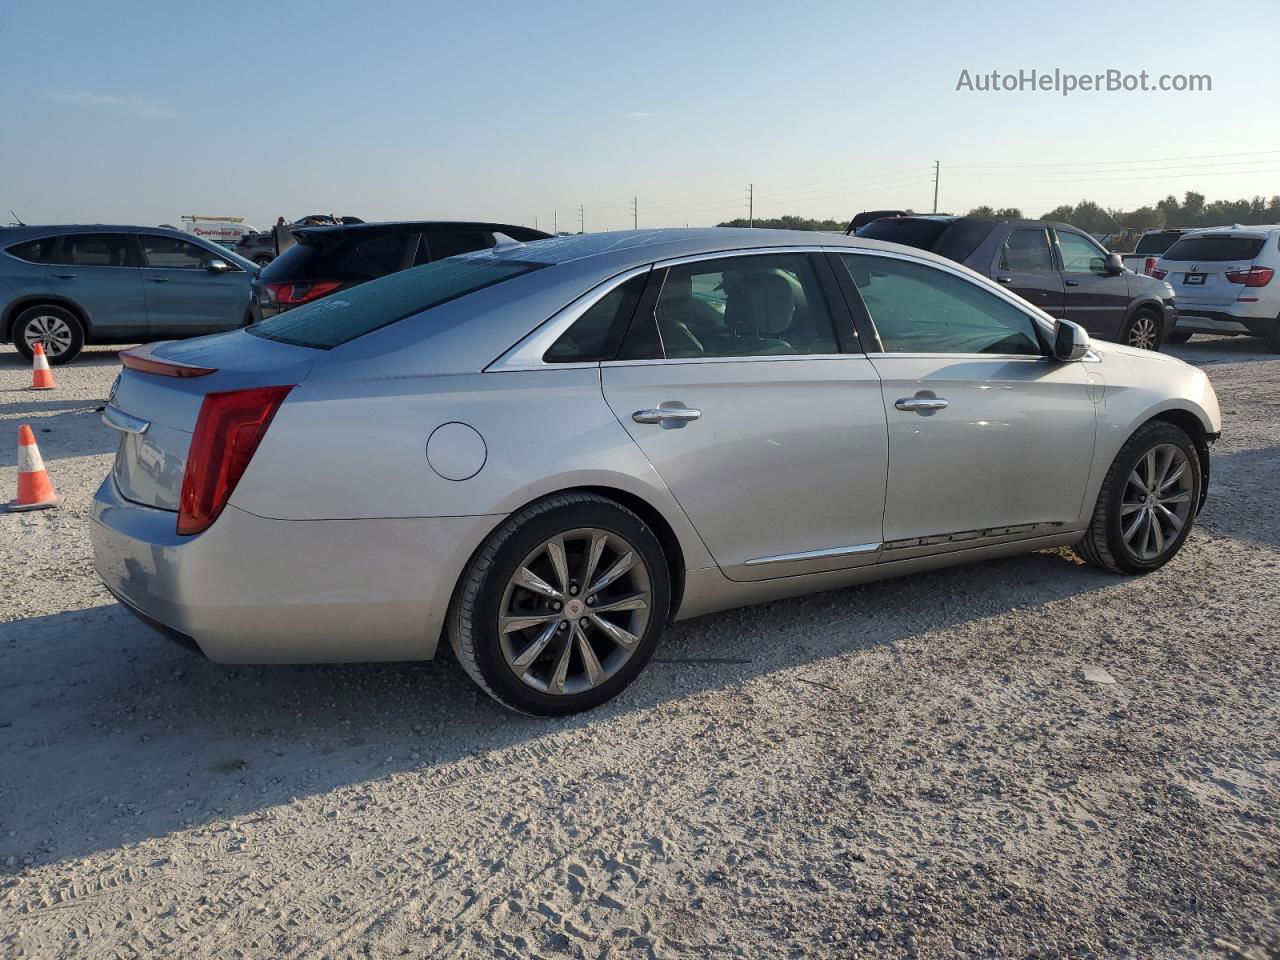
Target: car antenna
[
  {"x": 502, "y": 242},
  {"x": 17, "y": 221}
]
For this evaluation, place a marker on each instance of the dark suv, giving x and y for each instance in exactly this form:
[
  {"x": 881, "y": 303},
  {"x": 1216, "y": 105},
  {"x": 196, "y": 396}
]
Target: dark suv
[
  {"x": 324, "y": 260},
  {"x": 1060, "y": 269},
  {"x": 258, "y": 247}
]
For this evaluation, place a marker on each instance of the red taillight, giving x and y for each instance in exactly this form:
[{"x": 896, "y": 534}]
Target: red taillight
[
  {"x": 228, "y": 431},
  {"x": 1149, "y": 266},
  {"x": 295, "y": 293},
  {"x": 1157, "y": 273},
  {"x": 1253, "y": 277}
]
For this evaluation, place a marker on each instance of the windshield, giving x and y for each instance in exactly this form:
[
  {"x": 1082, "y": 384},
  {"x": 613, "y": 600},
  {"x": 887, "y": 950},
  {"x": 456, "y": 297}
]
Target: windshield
[{"x": 353, "y": 313}]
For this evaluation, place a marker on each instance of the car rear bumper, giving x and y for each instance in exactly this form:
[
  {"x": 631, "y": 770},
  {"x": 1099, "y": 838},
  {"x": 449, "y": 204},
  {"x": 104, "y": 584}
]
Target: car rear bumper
[
  {"x": 252, "y": 590},
  {"x": 1200, "y": 320}
]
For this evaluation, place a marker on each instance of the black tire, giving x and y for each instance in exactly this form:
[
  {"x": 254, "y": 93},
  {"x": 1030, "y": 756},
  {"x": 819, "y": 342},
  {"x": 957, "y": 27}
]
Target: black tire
[
  {"x": 1134, "y": 331},
  {"x": 1103, "y": 545},
  {"x": 472, "y": 622},
  {"x": 1178, "y": 336},
  {"x": 57, "y": 355},
  {"x": 1273, "y": 338},
  {"x": 262, "y": 261},
  {"x": 473, "y": 615}
]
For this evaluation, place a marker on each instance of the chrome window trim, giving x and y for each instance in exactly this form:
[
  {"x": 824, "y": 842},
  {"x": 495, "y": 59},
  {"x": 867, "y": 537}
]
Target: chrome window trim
[
  {"x": 742, "y": 252},
  {"x": 761, "y": 358},
  {"x": 826, "y": 554},
  {"x": 528, "y": 352}
]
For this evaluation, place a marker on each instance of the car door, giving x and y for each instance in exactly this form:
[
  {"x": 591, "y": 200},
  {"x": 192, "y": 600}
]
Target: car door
[
  {"x": 1026, "y": 265},
  {"x": 98, "y": 271},
  {"x": 184, "y": 297},
  {"x": 734, "y": 384},
  {"x": 1095, "y": 298},
  {"x": 989, "y": 438}
]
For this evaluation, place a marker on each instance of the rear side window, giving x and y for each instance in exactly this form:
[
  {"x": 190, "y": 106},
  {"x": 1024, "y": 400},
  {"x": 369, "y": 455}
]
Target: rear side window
[
  {"x": 921, "y": 309},
  {"x": 1026, "y": 250},
  {"x": 342, "y": 317},
  {"x": 35, "y": 251},
  {"x": 1215, "y": 248},
  {"x": 444, "y": 245},
  {"x": 94, "y": 250},
  {"x": 595, "y": 335},
  {"x": 962, "y": 238}
]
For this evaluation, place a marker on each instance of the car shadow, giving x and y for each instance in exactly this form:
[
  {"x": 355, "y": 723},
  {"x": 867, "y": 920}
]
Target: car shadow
[
  {"x": 93, "y": 356},
  {"x": 1207, "y": 350},
  {"x": 103, "y": 723}
]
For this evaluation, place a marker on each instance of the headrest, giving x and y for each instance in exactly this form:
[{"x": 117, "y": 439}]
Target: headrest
[{"x": 760, "y": 302}]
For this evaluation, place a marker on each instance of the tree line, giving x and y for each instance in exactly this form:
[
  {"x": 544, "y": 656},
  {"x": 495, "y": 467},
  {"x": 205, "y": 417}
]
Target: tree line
[{"x": 1191, "y": 211}]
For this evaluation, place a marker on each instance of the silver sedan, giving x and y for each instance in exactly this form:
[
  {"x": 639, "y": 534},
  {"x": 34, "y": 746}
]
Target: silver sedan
[{"x": 544, "y": 453}]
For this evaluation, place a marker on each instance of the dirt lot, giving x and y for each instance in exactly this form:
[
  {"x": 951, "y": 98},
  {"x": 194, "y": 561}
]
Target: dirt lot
[{"x": 934, "y": 766}]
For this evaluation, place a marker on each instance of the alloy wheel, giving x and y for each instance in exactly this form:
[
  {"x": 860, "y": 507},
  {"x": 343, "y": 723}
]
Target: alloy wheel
[
  {"x": 1156, "y": 504},
  {"x": 52, "y": 333},
  {"x": 574, "y": 611},
  {"x": 1143, "y": 333}
]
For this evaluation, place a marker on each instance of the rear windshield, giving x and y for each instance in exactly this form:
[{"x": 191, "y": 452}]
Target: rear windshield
[
  {"x": 1155, "y": 243},
  {"x": 921, "y": 234},
  {"x": 954, "y": 239},
  {"x": 1215, "y": 248},
  {"x": 359, "y": 255},
  {"x": 352, "y": 313}
]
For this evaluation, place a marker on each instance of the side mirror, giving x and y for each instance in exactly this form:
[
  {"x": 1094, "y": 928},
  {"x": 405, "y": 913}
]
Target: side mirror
[
  {"x": 217, "y": 265},
  {"x": 1070, "y": 341},
  {"x": 1113, "y": 265}
]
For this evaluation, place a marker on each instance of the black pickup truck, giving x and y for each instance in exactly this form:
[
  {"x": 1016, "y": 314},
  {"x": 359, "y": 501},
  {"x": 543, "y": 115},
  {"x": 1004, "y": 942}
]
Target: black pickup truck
[{"x": 1060, "y": 269}]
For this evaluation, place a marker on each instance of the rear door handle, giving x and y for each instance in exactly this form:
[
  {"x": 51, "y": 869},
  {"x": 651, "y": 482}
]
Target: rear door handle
[
  {"x": 65, "y": 276},
  {"x": 1072, "y": 283},
  {"x": 920, "y": 404},
  {"x": 1004, "y": 279},
  {"x": 158, "y": 279},
  {"x": 670, "y": 414}
]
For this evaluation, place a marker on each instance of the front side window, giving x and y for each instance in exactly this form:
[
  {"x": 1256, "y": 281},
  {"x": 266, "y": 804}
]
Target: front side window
[
  {"x": 922, "y": 309},
  {"x": 745, "y": 306},
  {"x": 1026, "y": 250},
  {"x": 1080, "y": 255},
  {"x": 594, "y": 336},
  {"x": 173, "y": 253},
  {"x": 94, "y": 250}
]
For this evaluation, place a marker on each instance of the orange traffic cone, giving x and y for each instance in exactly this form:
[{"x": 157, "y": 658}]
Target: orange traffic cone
[
  {"x": 35, "y": 492},
  {"x": 41, "y": 376}
]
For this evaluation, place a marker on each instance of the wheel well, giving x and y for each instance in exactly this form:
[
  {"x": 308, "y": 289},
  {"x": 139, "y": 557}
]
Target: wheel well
[
  {"x": 16, "y": 308},
  {"x": 1190, "y": 424},
  {"x": 658, "y": 524}
]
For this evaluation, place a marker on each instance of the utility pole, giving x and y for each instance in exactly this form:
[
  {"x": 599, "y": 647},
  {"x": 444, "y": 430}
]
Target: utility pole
[
  {"x": 535, "y": 223},
  {"x": 554, "y": 226},
  {"x": 937, "y": 173},
  {"x": 751, "y": 204},
  {"x": 581, "y": 220},
  {"x": 635, "y": 213}
]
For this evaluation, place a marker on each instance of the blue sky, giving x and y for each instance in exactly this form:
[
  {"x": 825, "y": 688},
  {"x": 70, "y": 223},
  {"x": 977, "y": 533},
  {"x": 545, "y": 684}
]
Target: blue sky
[{"x": 143, "y": 112}]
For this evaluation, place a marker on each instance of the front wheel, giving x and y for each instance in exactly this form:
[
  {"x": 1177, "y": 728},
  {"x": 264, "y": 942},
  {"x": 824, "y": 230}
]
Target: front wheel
[
  {"x": 562, "y": 606},
  {"x": 1143, "y": 330},
  {"x": 1147, "y": 503},
  {"x": 56, "y": 329}
]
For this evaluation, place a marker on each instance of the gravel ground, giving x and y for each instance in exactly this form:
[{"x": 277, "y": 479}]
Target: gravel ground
[{"x": 1023, "y": 758}]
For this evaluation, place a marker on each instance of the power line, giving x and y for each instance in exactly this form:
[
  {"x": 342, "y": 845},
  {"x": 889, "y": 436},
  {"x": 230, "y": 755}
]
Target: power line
[{"x": 1112, "y": 163}]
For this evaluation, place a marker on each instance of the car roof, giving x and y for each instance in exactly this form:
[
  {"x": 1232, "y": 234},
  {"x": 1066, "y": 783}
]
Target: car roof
[
  {"x": 8, "y": 234},
  {"x": 425, "y": 225}
]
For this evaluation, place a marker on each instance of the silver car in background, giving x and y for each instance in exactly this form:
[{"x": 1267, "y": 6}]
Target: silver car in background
[{"x": 542, "y": 454}]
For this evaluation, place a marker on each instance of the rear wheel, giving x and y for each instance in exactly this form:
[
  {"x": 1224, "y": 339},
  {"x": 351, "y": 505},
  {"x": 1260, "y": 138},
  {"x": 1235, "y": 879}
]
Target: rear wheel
[
  {"x": 1143, "y": 330},
  {"x": 562, "y": 606},
  {"x": 1273, "y": 338},
  {"x": 1178, "y": 336},
  {"x": 1147, "y": 503},
  {"x": 56, "y": 329},
  {"x": 262, "y": 261}
]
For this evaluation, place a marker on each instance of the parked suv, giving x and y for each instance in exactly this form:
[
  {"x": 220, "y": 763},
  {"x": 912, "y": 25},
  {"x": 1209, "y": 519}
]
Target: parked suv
[
  {"x": 1149, "y": 248},
  {"x": 1061, "y": 270},
  {"x": 65, "y": 286},
  {"x": 324, "y": 260},
  {"x": 1224, "y": 282},
  {"x": 258, "y": 247}
]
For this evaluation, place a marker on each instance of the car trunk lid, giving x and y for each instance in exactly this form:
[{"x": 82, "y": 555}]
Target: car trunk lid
[
  {"x": 1197, "y": 267},
  {"x": 155, "y": 402}
]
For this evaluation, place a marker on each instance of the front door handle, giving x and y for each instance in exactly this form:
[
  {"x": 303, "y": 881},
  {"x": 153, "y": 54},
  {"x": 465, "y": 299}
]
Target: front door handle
[
  {"x": 1072, "y": 283},
  {"x": 922, "y": 403},
  {"x": 1004, "y": 279},
  {"x": 65, "y": 276},
  {"x": 158, "y": 279},
  {"x": 670, "y": 414}
]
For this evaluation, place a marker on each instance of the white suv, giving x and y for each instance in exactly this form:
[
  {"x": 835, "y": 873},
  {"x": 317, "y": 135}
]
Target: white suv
[{"x": 1223, "y": 282}]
